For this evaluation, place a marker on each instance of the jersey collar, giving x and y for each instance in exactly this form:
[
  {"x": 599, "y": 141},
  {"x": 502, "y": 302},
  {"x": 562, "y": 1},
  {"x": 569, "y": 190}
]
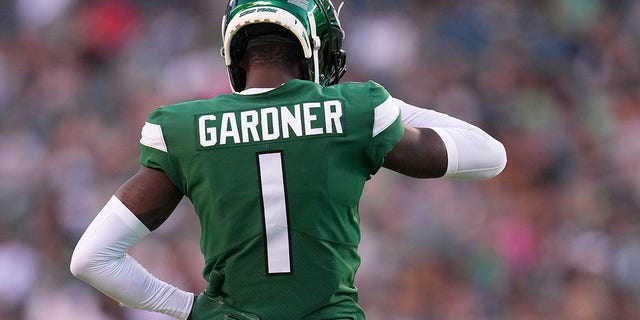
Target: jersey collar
[{"x": 252, "y": 91}]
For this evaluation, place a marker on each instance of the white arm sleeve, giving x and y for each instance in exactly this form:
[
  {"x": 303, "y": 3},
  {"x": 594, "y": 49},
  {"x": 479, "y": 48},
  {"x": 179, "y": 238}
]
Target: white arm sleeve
[
  {"x": 100, "y": 259},
  {"x": 471, "y": 152}
]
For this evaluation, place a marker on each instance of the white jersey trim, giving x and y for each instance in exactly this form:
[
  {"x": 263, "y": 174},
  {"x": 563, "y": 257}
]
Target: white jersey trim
[
  {"x": 152, "y": 137},
  {"x": 385, "y": 115},
  {"x": 253, "y": 91}
]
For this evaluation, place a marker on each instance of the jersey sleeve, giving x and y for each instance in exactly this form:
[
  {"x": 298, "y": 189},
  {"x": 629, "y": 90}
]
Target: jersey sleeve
[
  {"x": 387, "y": 126},
  {"x": 153, "y": 147}
]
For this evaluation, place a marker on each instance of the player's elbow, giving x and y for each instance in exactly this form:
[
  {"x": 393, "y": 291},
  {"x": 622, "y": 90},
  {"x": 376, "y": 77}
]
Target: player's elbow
[
  {"x": 78, "y": 265},
  {"x": 500, "y": 159},
  {"x": 488, "y": 162},
  {"x": 496, "y": 161},
  {"x": 81, "y": 262}
]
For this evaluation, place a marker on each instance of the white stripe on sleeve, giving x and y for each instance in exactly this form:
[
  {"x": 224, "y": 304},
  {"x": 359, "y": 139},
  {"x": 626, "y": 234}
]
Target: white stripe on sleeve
[
  {"x": 385, "y": 115},
  {"x": 152, "y": 137}
]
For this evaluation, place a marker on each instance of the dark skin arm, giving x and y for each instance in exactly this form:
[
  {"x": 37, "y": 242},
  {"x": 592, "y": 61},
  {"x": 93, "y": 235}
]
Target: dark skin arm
[
  {"x": 420, "y": 153},
  {"x": 151, "y": 196}
]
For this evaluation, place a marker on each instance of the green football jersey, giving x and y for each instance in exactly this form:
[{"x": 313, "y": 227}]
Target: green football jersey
[{"x": 275, "y": 178}]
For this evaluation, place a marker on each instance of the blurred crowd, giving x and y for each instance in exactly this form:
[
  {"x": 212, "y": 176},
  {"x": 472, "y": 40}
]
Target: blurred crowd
[{"x": 555, "y": 236}]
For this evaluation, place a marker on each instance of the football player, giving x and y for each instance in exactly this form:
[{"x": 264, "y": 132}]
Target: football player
[{"x": 275, "y": 172}]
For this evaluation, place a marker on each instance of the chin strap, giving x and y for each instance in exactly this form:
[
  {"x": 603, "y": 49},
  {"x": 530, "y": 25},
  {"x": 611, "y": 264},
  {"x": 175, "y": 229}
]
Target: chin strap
[{"x": 340, "y": 8}]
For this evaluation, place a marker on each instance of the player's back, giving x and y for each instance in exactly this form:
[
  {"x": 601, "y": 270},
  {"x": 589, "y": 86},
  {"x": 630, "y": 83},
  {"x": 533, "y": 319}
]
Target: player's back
[{"x": 276, "y": 178}]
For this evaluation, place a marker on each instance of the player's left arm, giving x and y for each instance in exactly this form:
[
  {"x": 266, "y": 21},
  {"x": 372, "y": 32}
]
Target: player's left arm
[
  {"x": 100, "y": 258},
  {"x": 471, "y": 153}
]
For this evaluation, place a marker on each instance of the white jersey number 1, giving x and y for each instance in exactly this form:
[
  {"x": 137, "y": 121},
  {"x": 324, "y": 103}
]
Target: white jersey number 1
[{"x": 275, "y": 212}]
